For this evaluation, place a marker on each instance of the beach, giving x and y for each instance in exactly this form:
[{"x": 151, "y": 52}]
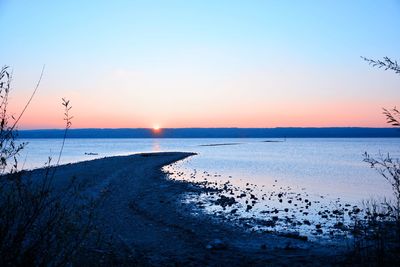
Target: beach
[
  {"x": 200, "y": 133},
  {"x": 140, "y": 210}
]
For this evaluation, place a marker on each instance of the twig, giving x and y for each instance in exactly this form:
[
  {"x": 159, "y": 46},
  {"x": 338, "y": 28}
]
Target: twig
[{"x": 29, "y": 101}]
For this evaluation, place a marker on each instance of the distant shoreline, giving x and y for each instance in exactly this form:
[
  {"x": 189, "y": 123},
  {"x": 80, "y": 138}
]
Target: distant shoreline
[{"x": 282, "y": 133}]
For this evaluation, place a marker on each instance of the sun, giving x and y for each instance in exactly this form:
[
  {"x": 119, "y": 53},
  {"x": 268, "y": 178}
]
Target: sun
[{"x": 156, "y": 127}]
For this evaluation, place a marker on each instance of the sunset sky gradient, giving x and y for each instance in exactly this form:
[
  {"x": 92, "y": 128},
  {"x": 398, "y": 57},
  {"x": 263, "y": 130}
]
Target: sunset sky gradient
[{"x": 202, "y": 63}]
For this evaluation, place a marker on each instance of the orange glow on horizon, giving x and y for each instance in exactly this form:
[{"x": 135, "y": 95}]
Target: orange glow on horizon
[
  {"x": 156, "y": 129},
  {"x": 46, "y": 112},
  {"x": 209, "y": 65}
]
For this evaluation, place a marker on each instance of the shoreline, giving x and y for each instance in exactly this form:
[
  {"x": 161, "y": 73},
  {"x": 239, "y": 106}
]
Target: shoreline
[{"x": 141, "y": 210}]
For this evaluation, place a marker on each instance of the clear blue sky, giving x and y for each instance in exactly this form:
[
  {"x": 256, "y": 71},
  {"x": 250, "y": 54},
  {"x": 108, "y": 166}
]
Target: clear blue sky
[{"x": 202, "y": 63}]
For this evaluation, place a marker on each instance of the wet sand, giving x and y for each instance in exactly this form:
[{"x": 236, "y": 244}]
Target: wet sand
[{"x": 140, "y": 209}]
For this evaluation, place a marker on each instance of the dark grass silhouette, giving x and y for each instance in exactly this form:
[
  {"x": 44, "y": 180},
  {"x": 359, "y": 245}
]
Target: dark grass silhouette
[
  {"x": 387, "y": 166},
  {"x": 39, "y": 226},
  {"x": 376, "y": 235}
]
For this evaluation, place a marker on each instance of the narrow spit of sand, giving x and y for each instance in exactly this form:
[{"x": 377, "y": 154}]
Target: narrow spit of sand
[{"x": 142, "y": 212}]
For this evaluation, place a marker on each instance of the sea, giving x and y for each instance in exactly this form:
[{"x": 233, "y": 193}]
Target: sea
[{"x": 293, "y": 178}]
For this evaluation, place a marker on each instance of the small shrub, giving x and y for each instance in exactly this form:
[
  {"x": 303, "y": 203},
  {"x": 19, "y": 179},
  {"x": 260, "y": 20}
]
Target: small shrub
[
  {"x": 39, "y": 225},
  {"x": 376, "y": 236}
]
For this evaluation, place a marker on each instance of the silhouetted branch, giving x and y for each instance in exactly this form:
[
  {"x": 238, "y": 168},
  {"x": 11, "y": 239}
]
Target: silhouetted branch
[
  {"x": 392, "y": 116},
  {"x": 30, "y": 99},
  {"x": 40, "y": 225},
  {"x": 387, "y": 166},
  {"x": 8, "y": 148},
  {"x": 68, "y": 123},
  {"x": 387, "y": 64}
]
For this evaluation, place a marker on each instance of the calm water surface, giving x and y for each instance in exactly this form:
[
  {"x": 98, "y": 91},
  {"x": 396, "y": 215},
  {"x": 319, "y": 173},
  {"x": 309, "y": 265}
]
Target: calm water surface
[
  {"x": 329, "y": 173},
  {"x": 332, "y": 167}
]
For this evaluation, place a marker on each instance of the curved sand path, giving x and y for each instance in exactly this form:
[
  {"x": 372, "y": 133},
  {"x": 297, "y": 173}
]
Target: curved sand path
[{"x": 141, "y": 210}]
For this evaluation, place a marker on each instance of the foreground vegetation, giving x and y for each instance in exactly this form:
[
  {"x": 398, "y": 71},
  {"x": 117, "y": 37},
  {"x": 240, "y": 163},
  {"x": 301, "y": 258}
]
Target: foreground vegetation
[
  {"x": 39, "y": 225},
  {"x": 376, "y": 235}
]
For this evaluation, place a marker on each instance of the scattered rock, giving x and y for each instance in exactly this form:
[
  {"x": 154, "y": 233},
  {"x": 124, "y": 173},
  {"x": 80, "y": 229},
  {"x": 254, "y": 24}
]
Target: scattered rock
[
  {"x": 224, "y": 201},
  {"x": 337, "y": 212},
  {"x": 339, "y": 225},
  {"x": 234, "y": 211}
]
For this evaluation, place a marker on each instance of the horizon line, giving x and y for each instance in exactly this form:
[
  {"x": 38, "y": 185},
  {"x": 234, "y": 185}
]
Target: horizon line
[{"x": 172, "y": 128}]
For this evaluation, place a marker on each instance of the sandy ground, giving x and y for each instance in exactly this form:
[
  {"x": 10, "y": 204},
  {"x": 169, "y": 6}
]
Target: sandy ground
[{"x": 141, "y": 210}]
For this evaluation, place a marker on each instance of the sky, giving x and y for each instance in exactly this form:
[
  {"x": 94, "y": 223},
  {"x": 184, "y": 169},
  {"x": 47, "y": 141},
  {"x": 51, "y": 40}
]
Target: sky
[{"x": 201, "y": 63}]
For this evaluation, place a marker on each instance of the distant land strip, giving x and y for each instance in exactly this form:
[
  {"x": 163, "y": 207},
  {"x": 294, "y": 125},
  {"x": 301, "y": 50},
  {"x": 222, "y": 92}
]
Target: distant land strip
[
  {"x": 331, "y": 132},
  {"x": 223, "y": 144}
]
